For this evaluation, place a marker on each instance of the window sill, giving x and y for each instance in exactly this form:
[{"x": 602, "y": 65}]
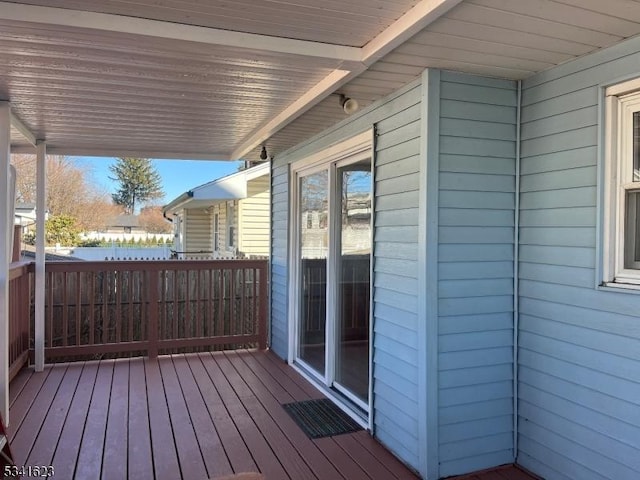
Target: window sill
[{"x": 619, "y": 287}]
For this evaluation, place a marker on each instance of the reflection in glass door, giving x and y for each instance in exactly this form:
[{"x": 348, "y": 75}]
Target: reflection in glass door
[
  {"x": 314, "y": 238},
  {"x": 333, "y": 263},
  {"x": 353, "y": 222}
]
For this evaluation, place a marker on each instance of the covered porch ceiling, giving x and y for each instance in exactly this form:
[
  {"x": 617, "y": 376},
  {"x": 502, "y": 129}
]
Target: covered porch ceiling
[{"x": 218, "y": 79}]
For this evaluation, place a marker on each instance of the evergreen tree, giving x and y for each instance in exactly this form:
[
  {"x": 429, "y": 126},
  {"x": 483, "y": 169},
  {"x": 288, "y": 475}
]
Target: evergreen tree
[{"x": 139, "y": 182}]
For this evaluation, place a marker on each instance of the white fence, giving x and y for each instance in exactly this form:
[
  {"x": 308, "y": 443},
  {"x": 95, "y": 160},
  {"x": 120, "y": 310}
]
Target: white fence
[{"x": 122, "y": 253}]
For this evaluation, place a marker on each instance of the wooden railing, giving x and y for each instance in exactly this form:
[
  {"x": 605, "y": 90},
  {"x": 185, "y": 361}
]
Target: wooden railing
[
  {"x": 150, "y": 307},
  {"x": 19, "y": 315}
]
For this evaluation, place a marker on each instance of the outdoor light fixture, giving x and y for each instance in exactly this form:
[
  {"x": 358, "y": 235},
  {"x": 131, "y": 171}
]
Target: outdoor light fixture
[
  {"x": 263, "y": 153},
  {"x": 349, "y": 105}
]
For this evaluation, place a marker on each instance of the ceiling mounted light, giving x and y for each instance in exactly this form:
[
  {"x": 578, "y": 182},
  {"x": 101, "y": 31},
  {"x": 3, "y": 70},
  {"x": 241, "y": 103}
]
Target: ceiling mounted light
[
  {"x": 349, "y": 105},
  {"x": 263, "y": 153}
]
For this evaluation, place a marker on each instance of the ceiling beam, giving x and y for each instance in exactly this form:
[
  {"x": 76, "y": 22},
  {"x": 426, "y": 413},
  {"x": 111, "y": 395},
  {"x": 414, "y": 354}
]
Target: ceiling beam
[
  {"x": 117, "y": 152},
  {"x": 420, "y": 16},
  {"x": 22, "y": 128},
  {"x": 174, "y": 31}
]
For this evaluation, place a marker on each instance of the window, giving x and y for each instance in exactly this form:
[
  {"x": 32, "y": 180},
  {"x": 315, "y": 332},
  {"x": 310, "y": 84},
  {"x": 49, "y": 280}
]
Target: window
[
  {"x": 622, "y": 185},
  {"x": 216, "y": 232},
  {"x": 231, "y": 224}
]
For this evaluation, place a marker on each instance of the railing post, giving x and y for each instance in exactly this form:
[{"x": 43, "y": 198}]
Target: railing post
[
  {"x": 262, "y": 320},
  {"x": 153, "y": 314}
]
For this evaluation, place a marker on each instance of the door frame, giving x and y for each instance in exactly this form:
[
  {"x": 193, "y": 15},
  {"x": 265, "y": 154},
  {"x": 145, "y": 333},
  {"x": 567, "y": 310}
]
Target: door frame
[{"x": 356, "y": 148}]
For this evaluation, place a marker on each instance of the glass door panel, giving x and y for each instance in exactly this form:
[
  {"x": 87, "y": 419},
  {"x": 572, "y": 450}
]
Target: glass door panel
[
  {"x": 314, "y": 240},
  {"x": 353, "y": 282}
]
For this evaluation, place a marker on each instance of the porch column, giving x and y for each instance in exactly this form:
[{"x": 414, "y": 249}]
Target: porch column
[
  {"x": 41, "y": 209},
  {"x": 6, "y": 226}
]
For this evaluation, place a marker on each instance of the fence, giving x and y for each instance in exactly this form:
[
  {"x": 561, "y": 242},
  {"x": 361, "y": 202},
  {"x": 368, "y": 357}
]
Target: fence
[{"x": 20, "y": 277}]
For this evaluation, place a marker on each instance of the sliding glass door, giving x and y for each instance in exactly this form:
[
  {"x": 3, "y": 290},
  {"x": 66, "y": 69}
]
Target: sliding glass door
[
  {"x": 314, "y": 238},
  {"x": 333, "y": 264},
  {"x": 353, "y": 258}
]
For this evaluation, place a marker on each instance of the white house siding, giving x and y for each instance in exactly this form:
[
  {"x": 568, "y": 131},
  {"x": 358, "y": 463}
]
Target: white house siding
[
  {"x": 198, "y": 228},
  {"x": 476, "y": 244},
  {"x": 253, "y": 214},
  {"x": 579, "y": 355},
  {"x": 397, "y": 119}
]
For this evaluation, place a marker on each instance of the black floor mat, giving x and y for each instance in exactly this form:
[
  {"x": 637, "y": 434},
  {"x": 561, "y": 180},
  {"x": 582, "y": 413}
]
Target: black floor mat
[{"x": 321, "y": 418}]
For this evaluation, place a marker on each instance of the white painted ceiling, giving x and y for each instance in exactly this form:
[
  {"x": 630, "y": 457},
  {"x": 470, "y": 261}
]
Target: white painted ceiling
[{"x": 217, "y": 79}]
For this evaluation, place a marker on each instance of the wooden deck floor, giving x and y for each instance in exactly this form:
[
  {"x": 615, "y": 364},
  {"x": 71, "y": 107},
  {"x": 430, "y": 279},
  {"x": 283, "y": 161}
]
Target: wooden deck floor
[
  {"x": 184, "y": 416},
  {"x": 508, "y": 472}
]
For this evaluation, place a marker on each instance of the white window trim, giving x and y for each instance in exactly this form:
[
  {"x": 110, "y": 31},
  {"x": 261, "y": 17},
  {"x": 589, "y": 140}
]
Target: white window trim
[
  {"x": 621, "y": 102},
  {"x": 231, "y": 216},
  {"x": 216, "y": 231}
]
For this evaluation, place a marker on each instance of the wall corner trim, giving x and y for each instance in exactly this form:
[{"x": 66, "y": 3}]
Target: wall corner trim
[{"x": 428, "y": 275}]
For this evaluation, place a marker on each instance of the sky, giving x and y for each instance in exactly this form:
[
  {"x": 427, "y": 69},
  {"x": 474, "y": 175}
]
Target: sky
[{"x": 178, "y": 176}]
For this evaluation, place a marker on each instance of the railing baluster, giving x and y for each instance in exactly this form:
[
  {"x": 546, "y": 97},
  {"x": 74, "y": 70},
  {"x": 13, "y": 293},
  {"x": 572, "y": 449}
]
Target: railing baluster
[
  {"x": 232, "y": 299},
  {"x": 65, "y": 310},
  {"x": 117, "y": 282},
  {"x": 153, "y": 313},
  {"x": 255, "y": 318},
  {"x": 199, "y": 320},
  {"x": 176, "y": 306},
  {"x": 130, "y": 299},
  {"x": 262, "y": 318},
  {"x": 78, "y": 289},
  {"x": 188, "y": 321},
  {"x": 92, "y": 304},
  {"x": 241, "y": 286}
]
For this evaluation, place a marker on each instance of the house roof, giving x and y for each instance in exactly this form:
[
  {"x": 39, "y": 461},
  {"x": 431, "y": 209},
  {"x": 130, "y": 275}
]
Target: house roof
[
  {"x": 218, "y": 79},
  {"x": 231, "y": 187},
  {"x": 24, "y": 214},
  {"x": 124, "y": 220}
]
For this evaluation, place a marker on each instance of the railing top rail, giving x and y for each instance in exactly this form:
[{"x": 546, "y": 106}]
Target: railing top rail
[
  {"x": 153, "y": 265},
  {"x": 17, "y": 269}
]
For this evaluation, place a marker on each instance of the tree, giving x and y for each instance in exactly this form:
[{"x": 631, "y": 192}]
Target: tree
[
  {"x": 71, "y": 190},
  {"x": 152, "y": 221},
  {"x": 139, "y": 182},
  {"x": 62, "y": 229}
]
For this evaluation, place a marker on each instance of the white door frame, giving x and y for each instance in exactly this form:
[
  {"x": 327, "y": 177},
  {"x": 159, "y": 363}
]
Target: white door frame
[{"x": 352, "y": 150}]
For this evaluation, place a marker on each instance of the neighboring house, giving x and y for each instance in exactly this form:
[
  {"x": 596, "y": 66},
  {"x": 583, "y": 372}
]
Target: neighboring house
[
  {"x": 223, "y": 218},
  {"x": 124, "y": 224},
  {"x": 25, "y": 214},
  {"x": 124, "y": 228}
]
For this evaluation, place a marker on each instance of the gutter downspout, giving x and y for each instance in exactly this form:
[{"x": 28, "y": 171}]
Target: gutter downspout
[{"x": 516, "y": 272}]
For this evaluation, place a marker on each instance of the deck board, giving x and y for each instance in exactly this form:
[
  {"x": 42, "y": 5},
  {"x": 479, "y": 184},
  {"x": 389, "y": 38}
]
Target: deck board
[
  {"x": 92, "y": 447},
  {"x": 271, "y": 395},
  {"x": 260, "y": 449},
  {"x": 47, "y": 440},
  {"x": 216, "y": 461},
  {"x": 68, "y": 447},
  {"x": 181, "y": 417},
  {"x": 189, "y": 454},
  {"x": 27, "y": 435},
  {"x": 117, "y": 438},
  {"x": 236, "y": 450},
  {"x": 165, "y": 457},
  {"x": 139, "y": 456}
]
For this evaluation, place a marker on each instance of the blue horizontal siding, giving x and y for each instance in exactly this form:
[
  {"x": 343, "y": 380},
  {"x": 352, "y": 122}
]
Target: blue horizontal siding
[
  {"x": 395, "y": 293},
  {"x": 475, "y": 254},
  {"x": 579, "y": 386}
]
